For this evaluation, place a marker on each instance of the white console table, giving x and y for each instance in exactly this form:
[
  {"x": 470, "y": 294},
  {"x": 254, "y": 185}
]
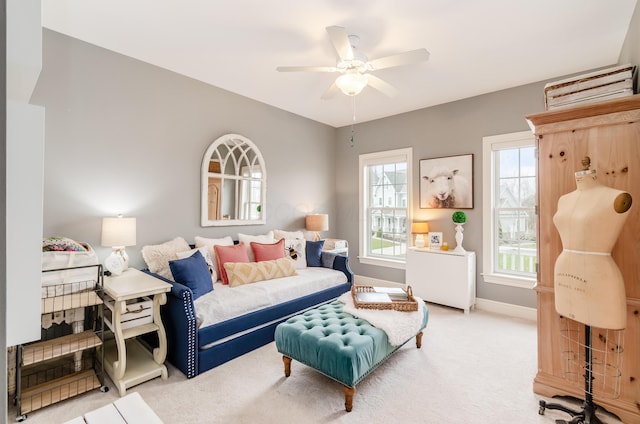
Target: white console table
[{"x": 443, "y": 277}]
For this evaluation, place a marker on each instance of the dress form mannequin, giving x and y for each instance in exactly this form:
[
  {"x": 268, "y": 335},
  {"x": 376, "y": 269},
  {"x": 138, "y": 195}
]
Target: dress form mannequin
[{"x": 588, "y": 283}]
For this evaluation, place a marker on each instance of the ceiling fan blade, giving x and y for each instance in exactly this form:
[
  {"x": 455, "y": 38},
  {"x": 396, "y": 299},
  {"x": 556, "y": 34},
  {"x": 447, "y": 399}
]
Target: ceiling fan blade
[
  {"x": 307, "y": 69},
  {"x": 381, "y": 85},
  {"x": 400, "y": 59},
  {"x": 340, "y": 40},
  {"x": 331, "y": 91}
]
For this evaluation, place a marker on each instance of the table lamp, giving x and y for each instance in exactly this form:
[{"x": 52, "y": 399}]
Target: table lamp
[
  {"x": 316, "y": 223},
  {"x": 118, "y": 232},
  {"x": 419, "y": 229}
]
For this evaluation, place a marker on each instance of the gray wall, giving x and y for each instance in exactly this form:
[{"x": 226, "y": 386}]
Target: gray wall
[
  {"x": 631, "y": 49},
  {"x": 451, "y": 129},
  {"x": 123, "y": 136},
  {"x": 445, "y": 130},
  {"x": 3, "y": 206}
]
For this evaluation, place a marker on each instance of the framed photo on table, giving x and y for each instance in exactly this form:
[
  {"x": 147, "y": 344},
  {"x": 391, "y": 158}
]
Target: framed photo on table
[{"x": 435, "y": 240}]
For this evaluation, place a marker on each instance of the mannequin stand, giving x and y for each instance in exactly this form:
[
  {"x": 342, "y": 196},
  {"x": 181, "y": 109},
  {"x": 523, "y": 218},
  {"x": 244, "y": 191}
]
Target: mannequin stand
[{"x": 588, "y": 413}]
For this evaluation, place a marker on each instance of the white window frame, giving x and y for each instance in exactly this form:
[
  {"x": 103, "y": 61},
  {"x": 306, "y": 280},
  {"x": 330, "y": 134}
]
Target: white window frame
[
  {"x": 489, "y": 145},
  {"x": 389, "y": 156}
]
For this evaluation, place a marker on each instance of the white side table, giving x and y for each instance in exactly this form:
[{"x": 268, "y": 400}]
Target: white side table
[
  {"x": 126, "y": 361},
  {"x": 444, "y": 277}
]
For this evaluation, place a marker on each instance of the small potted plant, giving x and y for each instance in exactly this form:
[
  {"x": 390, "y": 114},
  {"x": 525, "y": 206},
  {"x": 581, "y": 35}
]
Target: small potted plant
[{"x": 459, "y": 218}]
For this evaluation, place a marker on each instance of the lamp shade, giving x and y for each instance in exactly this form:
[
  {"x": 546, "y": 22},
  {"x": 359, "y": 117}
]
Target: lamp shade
[
  {"x": 118, "y": 231},
  {"x": 420, "y": 227},
  {"x": 317, "y": 222}
]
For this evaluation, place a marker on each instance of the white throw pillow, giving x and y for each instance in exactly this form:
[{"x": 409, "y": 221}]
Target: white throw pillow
[
  {"x": 207, "y": 257},
  {"x": 294, "y": 249},
  {"x": 157, "y": 256},
  {"x": 208, "y": 243},
  {"x": 279, "y": 234},
  {"x": 247, "y": 239}
]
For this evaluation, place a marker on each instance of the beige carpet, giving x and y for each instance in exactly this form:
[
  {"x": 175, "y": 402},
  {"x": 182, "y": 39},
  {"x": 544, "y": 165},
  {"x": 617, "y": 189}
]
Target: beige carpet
[{"x": 476, "y": 368}]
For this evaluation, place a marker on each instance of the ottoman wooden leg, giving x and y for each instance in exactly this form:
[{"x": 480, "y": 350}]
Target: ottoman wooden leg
[
  {"x": 348, "y": 397},
  {"x": 287, "y": 365},
  {"x": 419, "y": 340}
]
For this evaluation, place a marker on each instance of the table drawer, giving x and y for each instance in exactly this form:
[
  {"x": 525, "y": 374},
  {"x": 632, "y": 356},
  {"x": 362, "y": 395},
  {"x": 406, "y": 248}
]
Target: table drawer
[{"x": 138, "y": 312}]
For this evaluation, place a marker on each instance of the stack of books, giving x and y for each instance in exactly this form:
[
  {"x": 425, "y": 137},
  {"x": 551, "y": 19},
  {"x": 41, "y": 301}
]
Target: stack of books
[
  {"x": 606, "y": 84},
  {"x": 383, "y": 295}
]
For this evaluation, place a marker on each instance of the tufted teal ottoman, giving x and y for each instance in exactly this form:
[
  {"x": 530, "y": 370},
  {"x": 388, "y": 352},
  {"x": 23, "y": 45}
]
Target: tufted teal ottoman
[{"x": 336, "y": 344}]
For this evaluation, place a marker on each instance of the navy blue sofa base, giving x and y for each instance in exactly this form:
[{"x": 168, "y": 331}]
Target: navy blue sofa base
[
  {"x": 234, "y": 337},
  {"x": 228, "y": 350}
]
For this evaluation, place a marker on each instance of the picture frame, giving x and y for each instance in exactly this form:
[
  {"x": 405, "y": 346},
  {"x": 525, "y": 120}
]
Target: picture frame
[
  {"x": 435, "y": 240},
  {"x": 446, "y": 182}
]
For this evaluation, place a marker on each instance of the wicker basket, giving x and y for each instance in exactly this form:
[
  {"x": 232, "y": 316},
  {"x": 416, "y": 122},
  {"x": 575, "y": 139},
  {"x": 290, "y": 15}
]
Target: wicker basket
[{"x": 410, "y": 305}]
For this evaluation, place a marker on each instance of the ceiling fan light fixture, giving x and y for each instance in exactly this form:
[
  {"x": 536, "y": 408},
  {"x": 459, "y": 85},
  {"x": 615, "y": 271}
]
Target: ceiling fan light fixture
[
  {"x": 356, "y": 70},
  {"x": 352, "y": 83}
]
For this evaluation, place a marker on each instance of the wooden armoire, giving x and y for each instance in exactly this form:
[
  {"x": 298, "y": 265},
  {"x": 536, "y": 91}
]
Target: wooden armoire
[{"x": 609, "y": 134}]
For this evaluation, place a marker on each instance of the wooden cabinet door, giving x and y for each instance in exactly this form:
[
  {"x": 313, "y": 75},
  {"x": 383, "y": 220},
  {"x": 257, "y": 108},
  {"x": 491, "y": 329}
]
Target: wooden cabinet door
[{"x": 609, "y": 134}]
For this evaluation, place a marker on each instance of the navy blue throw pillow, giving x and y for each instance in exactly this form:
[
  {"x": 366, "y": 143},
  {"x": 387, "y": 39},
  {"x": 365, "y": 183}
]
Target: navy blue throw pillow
[
  {"x": 192, "y": 272},
  {"x": 314, "y": 252}
]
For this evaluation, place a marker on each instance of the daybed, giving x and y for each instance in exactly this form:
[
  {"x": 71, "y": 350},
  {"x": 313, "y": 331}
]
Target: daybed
[{"x": 197, "y": 342}]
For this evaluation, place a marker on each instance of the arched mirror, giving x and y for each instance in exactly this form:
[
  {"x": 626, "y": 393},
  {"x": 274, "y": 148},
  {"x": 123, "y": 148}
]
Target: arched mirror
[{"x": 234, "y": 183}]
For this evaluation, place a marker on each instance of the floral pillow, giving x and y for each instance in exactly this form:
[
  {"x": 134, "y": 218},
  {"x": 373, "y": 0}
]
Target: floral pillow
[{"x": 63, "y": 244}]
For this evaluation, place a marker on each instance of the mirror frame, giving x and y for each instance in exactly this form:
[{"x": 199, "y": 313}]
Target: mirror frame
[{"x": 234, "y": 143}]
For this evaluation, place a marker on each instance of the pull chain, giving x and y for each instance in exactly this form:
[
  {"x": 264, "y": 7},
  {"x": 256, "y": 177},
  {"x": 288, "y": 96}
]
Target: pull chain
[{"x": 354, "y": 121}]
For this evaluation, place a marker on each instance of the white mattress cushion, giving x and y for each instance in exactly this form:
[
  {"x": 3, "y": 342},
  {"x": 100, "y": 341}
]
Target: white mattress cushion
[{"x": 226, "y": 302}]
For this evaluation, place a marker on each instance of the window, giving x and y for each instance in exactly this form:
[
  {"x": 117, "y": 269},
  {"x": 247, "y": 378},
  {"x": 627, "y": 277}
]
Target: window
[
  {"x": 251, "y": 193},
  {"x": 385, "y": 199},
  {"x": 509, "y": 209}
]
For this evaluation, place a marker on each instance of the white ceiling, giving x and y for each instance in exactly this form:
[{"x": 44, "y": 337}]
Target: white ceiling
[{"x": 476, "y": 46}]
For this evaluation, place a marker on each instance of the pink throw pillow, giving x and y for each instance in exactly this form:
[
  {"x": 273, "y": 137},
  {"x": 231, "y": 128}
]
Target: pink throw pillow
[
  {"x": 268, "y": 251},
  {"x": 224, "y": 254}
]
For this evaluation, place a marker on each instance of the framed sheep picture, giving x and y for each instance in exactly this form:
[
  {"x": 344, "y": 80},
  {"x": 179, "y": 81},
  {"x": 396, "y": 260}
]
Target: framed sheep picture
[{"x": 447, "y": 182}]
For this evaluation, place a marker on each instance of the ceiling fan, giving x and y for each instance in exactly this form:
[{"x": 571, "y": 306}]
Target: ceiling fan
[{"x": 354, "y": 67}]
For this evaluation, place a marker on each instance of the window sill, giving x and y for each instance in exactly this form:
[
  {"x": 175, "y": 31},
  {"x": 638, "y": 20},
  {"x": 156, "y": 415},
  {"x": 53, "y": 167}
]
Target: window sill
[
  {"x": 510, "y": 280},
  {"x": 387, "y": 263}
]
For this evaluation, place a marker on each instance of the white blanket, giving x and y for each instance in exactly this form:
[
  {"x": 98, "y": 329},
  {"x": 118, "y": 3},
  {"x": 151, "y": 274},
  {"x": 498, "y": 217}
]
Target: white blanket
[
  {"x": 226, "y": 302},
  {"x": 399, "y": 326}
]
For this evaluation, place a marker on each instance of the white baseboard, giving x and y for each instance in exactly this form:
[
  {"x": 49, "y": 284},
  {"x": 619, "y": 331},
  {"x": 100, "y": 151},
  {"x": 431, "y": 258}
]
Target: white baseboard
[
  {"x": 483, "y": 304},
  {"x": 507, "y": 309},
  {"x": 368, "y": 281}
]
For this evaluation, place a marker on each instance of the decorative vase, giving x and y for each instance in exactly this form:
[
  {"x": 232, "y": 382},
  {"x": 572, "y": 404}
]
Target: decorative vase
[{"x": 459, "y": 238}]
